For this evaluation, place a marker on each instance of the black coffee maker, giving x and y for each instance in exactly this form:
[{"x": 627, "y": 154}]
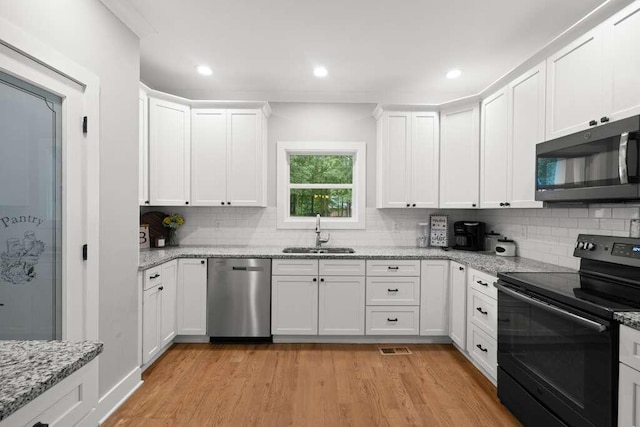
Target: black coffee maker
[{"x": 468, "y": 235}]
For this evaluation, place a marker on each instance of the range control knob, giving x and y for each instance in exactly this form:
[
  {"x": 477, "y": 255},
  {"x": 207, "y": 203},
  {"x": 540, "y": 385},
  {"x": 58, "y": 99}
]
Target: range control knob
[
  {"x": 580, "y": 245},
  {"x": 589, "y": 246}
]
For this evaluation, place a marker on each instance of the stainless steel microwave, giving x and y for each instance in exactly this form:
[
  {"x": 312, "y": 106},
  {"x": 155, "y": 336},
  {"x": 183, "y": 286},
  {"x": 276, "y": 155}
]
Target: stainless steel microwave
[{"x": 595, "y": 165}]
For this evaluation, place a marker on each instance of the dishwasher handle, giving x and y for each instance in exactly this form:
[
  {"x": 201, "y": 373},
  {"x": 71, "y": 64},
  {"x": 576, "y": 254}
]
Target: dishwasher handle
[{"x": 239, "y": 268}]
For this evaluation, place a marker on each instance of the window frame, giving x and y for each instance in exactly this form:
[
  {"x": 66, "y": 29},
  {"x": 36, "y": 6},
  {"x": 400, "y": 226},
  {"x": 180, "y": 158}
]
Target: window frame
[{"x": 359, "y": 183}]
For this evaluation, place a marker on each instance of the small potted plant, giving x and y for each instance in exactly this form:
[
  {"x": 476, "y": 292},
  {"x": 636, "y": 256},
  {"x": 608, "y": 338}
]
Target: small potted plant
[{"x": 172, "y": 223}]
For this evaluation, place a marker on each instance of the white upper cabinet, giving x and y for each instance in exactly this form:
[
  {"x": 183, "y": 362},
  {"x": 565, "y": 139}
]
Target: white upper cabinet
[
  {"x": 459, "y": 157},
  {"x": 595, "y": 80},
  {"x": 526, "y": 121},
  {"x": 143, "y": 146},
  {"x": 208, "y": 157},
  {"x": 493, "y": 150},
  {"x": 169, "y": 152},
  {"x": 622, "y": 59},
  {"x": 228, "y": 157},
  {"x": 408, "y": 149},
  {"x": 246, "y": 175}
]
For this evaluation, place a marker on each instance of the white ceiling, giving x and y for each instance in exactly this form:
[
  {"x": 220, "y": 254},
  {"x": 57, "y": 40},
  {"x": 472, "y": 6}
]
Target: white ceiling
[{"x": 375, "y": 50}]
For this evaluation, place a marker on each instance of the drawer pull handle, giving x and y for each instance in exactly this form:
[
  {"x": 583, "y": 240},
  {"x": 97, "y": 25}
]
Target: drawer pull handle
[
  {"x": 392, "y": 290},
  {"x": 482, "y": 311},
  {"x": 40, "y": 424},
  {"x": 481, "y": 348},
  {"x": 393, "y": 267},
  {"x": 155, "y": 276},
  {"x": 480, "y": 282},
  {"x": 161, "y": 288},
  {"x": 461, "y": 268},
  {"x": 392, "y": 320}
]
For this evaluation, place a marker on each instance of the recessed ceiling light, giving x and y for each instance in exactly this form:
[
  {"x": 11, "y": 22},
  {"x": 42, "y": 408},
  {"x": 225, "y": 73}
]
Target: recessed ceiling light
[
  {"x": 454, "y": 74},
  {"x": 320, "y": 72},
  {"x": 204, "y": 70}
]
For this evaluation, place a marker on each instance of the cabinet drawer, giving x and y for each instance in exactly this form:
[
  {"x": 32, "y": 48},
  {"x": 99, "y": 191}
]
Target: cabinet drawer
[
  {"x": 152, "y": 277},
  {"x": 483, "y": 283},
  {"x": 630, "y": 346},
  {"x": 483, "y": 349},
  {"x": 342, "y": 267},
  {"x": 386, "y": 267},
  {"x": 294, "y": 267},
  {"x": 386, "y": 320},
  {"x": 393, "y": 291},
  {"x": 483, "y": 311}
]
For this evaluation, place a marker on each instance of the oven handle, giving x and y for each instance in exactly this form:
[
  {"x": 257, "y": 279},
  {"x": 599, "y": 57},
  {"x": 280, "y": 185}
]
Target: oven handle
[
  {"x": 622, "y": 158},
  {"x": 548, "y": 307}
]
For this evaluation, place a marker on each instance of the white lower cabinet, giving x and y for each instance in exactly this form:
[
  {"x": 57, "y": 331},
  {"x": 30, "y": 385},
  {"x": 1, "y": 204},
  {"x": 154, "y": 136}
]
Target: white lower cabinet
[
  {"x": 68, "y": 403},
  {"x": 458, "y": 304},
  {"x": 192, "y": 296},
  {"x": 393, "y": 320},
  {"x": 168, "y": 318},
  {"x": 434, "y": 287},
  {"x": 629, "y": 378},
  {"x": 151, "y": 322},
  {"x": 341, "y": 305},
  {"x": 294, "y": 305}
]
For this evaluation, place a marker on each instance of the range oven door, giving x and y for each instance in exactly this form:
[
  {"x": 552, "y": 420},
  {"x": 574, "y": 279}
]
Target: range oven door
[
  {"x": 563, "y": 358},
  {"x": 598, "y": 164}
]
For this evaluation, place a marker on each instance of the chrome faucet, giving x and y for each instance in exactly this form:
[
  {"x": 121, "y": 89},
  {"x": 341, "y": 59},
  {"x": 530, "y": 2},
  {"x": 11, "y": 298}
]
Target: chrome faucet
[{"x": 319, "y": 239}]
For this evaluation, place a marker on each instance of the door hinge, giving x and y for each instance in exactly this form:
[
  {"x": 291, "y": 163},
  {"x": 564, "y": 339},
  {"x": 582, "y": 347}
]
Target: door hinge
[
  {"x": 85, "y": 252},
  {"x": 84, "y": 124}
]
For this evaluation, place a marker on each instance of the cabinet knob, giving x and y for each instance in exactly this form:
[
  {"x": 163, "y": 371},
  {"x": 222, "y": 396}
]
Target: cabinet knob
[
  {"x": 222, "y": 203},
  {"x": 322, "y": 280},
  {"x": 414, "y": 205},
  {"x": 507, "y": 204},
  {"x": 604, "y": 119},
  {"x": 186, "y": 203},
  {"x": 202, "y": 262},
  {"x": 593, "y": 122},
  {"x": 501, "y": 203},
  {"x": 228, "y": 203},
  {"x": 315, "y": 279},
  {"x": 146, "y": 202},
  {"x": 408, "y": 204},
  {"x": 461, "y": 268},
  {"x": 161, "y": 288},
  {"x": 473, "y": 205}
]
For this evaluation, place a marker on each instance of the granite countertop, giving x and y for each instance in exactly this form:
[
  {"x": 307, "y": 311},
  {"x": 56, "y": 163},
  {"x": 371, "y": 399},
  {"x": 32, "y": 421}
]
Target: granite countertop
[
  {"x": 29, "y": 368},
  {"x": 488, "y": 263},
  {"x": 629, "y": 318}
]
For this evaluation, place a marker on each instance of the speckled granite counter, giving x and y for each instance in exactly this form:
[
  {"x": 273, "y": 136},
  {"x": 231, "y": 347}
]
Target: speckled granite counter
[
  {"x": 29, "y": 368},
  {"x": 487, "y": 263},
  {"x": 630, "y": 318}
]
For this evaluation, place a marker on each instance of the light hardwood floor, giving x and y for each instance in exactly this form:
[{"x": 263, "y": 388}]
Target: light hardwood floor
[{"x": 312, "y": 385}]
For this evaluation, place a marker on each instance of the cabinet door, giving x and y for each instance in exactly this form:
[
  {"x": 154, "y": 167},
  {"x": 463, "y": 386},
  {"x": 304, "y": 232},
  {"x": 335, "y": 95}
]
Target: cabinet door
[
  {"x": 575, "y": 92},
  {"x": 393, "y": 154},
  {"x": 459, "y": 158},
  {"x": 294, "y": 305},
  {"x": 341, "y": 305},
  {"x": 622, "y": 79},
  {"x": 151, "y": 306},
  {"x": 192, "y": 296},
  {"x": 493, "y": 151},
  {"x": 143, "y": 148},
  {"x": 208, "y": 157},
  {"x": 434, "y": 285},
  {"x": 458, "y": 306},
  {"x": 526, "y": 129},
  {"x": 629, "y": 397},
  {"x": 245, "y": 165},
  {"x": 169, "y": 304},
  {"x": 169, "y": 151},
  {"x": 425, "y": 160}
]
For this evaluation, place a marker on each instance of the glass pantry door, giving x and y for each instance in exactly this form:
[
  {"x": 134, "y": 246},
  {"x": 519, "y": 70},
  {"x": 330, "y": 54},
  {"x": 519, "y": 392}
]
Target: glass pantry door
[{"x": 30, "y": 212}]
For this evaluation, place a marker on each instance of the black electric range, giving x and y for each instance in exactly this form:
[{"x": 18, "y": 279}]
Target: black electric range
[{"x": 557, "y": 340}]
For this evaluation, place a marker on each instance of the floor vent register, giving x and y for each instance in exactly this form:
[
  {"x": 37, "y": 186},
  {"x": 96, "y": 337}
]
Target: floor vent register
[{"x": 394, "y": 351}]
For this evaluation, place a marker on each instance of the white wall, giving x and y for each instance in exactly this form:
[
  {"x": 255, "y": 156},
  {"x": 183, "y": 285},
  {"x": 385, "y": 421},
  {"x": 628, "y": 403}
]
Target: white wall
[{"x": 88, "y": 34}]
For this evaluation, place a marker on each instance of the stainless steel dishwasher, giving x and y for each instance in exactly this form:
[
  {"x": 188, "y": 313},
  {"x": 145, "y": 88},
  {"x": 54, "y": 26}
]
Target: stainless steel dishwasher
[{"x": 239, "y": 299}]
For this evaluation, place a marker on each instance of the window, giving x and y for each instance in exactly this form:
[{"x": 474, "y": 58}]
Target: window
[{"x": 321, "y": 178}]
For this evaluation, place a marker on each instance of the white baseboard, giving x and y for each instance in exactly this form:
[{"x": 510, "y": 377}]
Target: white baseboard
[
  {"x": 350, "y": 339},
  {"x": 115, "y": 397},
  {"x": 191, "y": 339}
]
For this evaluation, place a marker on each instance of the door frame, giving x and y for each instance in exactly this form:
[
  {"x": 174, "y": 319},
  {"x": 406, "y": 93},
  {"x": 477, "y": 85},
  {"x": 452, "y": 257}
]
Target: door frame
[{"x": 39, "y": 58}]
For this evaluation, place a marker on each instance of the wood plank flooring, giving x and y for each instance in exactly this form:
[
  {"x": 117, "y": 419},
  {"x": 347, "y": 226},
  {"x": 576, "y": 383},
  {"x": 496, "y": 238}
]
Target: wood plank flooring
[{"x": 312, "y": 385}]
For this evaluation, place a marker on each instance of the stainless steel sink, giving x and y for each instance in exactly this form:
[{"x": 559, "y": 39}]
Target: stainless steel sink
[{"x": 298, "y": 250}]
